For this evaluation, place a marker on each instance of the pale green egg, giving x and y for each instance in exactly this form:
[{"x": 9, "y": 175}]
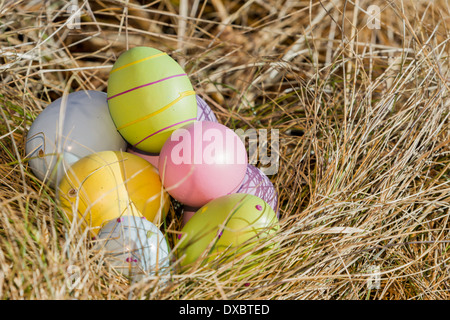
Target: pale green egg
[
  {"x": 149, "y": 96},
  {"x": 226, "y": 222}
]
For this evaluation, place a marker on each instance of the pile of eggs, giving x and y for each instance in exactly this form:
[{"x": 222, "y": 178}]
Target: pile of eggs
[{"x": 116, "y": 160}]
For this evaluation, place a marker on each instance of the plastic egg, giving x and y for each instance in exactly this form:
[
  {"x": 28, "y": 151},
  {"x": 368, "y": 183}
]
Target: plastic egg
[
  {"x": 225, "y": 223},
  {"x": 258, "y": 184},
  {"x": 202, "y": 161},
  {"x": 106, "y": 185},
  {"x": 149, "y": 96},
  {"x": 204, "y": 112},
  {"x": 134, "y": 246},
  {"x": 83, "y": 127}
]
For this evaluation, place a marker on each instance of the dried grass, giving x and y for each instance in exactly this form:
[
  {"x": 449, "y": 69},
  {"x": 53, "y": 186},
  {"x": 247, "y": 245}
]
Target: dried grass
[{"x": 363, "y": 116}]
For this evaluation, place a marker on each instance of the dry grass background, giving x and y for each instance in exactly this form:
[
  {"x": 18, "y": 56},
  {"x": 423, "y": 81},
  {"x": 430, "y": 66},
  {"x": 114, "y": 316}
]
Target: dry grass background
[{"x": 363, "y": 116}]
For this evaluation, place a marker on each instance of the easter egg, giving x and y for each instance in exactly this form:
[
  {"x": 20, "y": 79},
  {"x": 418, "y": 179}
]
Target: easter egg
[
  {"x": 204, "y": 112},
  {"x": 149, "y": 96},
  {"x": 134, "y": 246},
  {"x": 202, "y": 161},
  {"x": 63, "y": 133},
  {"x": 106, "y": 185},
  {"x": 225, "y": 223},
  {"x": 258, "y": 184}
]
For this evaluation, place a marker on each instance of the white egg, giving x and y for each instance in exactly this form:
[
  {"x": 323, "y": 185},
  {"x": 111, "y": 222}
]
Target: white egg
[
  {"x": 134, "y": 246},
  {"x": 79, "y": 128}
]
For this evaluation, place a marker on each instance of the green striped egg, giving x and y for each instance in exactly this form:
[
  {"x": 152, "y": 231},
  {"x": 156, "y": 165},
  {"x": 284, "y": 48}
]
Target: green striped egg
[
  {"x": 225, "y": 223},
  {"x": 149, "y": 96}
]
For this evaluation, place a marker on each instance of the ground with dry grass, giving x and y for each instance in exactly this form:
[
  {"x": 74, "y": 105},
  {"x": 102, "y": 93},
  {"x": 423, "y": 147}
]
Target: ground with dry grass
[{"x": 363, "y": 117}]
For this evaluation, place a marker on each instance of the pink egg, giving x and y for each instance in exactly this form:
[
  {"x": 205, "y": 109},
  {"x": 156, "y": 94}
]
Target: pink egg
[
  {"x": 150, "y": 157},
  {"x": 202, "y": 161},
  {"x": 258, "y": 184}
]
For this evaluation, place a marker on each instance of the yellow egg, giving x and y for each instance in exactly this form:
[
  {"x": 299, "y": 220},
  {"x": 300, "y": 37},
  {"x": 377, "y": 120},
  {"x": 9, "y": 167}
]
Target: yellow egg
[
  {"x": 149, "y": 96},
  {"x": 109, "y": 184}
]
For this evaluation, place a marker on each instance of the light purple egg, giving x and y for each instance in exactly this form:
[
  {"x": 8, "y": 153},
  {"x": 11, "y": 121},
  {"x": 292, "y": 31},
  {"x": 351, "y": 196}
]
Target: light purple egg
[
  {"x": 204, "y": 112},
  {"x": 258, "y": 184}
]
